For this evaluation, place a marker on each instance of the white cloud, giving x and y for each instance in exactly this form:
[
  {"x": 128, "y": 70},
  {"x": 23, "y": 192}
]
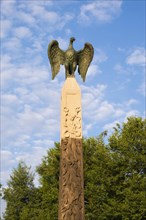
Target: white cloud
[
  {"x": 24, "y": 115},
  {"x": 109, "y": 126},
  {"x": 5, "y": 27},
  {"x": 98, "y": 110},
  {"x": 97, "y": 107},
  {"x": 103, "y": 111},
  {"x": 22, "y": 32},
  {"x": 93, "y": 70},
  {"x": 28, "y": 117},
  {"x": 118, "y": 111},
  {"x": 99, "y": 56},
  {"x": 121, "y": 49},
  {"x": 142, "y": 88},
  {"x": 101, "y": 11},
  {"x": 92, "y": 95},
  {"x": 26, "y": 17},
  {"x": 124, "y": 69},
  {"x": 9, "y": 99},
  {"x": 14, "y": 44},
  {"x": 40, "y": 11},
  {"x": 87, "y": 128},
  {"x": 120, "y": 69},
  {"x": 7, "y": 160},
  {"x": 68, "y": 32},
  {"x": 26, "y": 109},
  {"x": 53, "y": 19},
  {"x": 131, "y": 113},
  {"x": 8, "y": 7},
  {"x": 123, "y": 116},
  {"x": 137, "y": 57},
  {"x": 131, "y": 102},
  {"x": 39, "y": 16},
  {"x": 32, "y": 158}
]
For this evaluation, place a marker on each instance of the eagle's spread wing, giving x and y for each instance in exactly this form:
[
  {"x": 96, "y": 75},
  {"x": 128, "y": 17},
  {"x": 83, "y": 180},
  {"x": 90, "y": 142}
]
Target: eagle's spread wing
[
  {"x": 84, "y": 58},
  {"x": 56, "y": 57}
]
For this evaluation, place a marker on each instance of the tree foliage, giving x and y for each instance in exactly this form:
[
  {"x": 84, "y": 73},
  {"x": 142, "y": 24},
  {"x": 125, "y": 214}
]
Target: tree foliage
[
  {"x": 19, "y": 192},
  {"x": 49, "y": 180},
  {"x": 114, "y": 179},
  {"x": 128, "y": 151}
]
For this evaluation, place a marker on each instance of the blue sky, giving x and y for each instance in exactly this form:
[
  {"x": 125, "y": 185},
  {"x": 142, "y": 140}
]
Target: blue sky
[{"x": 30, "y": 100}]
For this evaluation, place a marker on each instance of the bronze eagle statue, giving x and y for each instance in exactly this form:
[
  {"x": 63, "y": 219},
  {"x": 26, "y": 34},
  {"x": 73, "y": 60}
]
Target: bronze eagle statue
[{"x": 70, "y": 58}]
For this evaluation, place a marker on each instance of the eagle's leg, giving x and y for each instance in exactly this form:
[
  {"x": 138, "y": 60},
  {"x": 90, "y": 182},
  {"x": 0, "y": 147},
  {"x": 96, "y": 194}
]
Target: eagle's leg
[
  {"x": 74, "y": 66},
  {"x": 66, "y": 70},
  {"x": 70, "y": 69}
]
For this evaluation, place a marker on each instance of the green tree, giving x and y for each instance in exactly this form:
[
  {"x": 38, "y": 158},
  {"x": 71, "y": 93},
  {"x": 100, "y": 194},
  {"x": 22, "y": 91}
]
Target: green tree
[
  {"x": 1, "y": 194},
  {"x": 33, "y": 210},
  {"x": 49, "y": 180},
  {"x": 128, "y": 181},
  {"x": 19, "y": 192},
  {"x": 114, "y": 175},
  {"x": 96, "y": 176},
  {"x": 114, "y": 179},
  {"x": 0, "y": 190}
]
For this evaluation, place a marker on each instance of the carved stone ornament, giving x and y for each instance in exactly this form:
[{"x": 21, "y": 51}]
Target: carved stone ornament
[
  {"x": 72, "y": 124},
  {"x": 71, "y": 184}
]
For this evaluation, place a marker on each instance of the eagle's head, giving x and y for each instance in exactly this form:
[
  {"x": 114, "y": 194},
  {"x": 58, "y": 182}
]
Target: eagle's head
[{"x": 72, "y": 39}]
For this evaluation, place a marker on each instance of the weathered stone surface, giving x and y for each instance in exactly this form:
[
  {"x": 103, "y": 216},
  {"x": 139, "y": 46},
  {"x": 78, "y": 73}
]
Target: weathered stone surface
[
  {"x": 71, "y": 192},
  {"x": 71, "y": 200}
]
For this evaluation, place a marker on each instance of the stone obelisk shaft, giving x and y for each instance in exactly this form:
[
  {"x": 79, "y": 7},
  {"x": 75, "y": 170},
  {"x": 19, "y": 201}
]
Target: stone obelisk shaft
[{"x": 71, "y": 192}]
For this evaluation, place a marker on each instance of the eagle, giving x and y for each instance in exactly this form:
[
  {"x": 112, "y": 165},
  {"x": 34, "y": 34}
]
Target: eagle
[{"x": 70, "y": 58}]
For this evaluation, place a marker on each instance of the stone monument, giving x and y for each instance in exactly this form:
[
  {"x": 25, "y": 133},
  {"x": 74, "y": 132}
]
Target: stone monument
[{"x": 71, "y": 189}]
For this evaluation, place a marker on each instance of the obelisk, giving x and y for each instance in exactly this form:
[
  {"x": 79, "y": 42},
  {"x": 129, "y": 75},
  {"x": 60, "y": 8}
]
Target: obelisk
[
  {"x": 71, "y": 189},
  {"x": 71, "y": 195}
]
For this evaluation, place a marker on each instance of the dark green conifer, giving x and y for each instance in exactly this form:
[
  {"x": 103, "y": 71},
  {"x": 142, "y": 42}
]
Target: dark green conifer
[{"x": 19, "y": 192}]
